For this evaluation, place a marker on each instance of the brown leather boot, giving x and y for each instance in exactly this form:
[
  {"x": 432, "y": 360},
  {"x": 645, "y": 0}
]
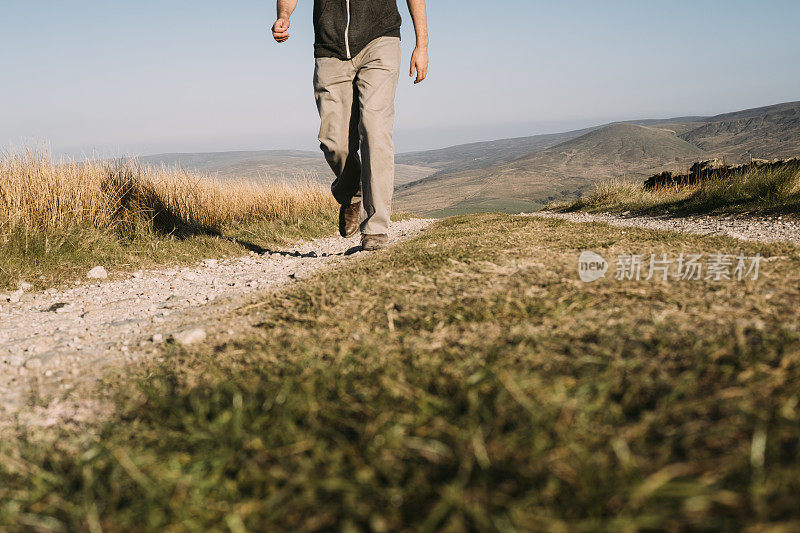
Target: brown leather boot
[
  {"x": 374, "y": 242},
  {"x": 349, "y": 219}
]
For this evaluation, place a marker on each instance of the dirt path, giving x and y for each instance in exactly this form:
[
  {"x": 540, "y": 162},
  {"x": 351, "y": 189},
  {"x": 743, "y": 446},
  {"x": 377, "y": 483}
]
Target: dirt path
[
  {"x": 52, "y": 340},
  {"x": 764, "y": 229}
]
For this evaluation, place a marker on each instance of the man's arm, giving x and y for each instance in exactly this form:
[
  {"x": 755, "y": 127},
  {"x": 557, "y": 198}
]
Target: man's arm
[
  {"x": 280, "y": 30},
  {"x": 419, "y": 59}
]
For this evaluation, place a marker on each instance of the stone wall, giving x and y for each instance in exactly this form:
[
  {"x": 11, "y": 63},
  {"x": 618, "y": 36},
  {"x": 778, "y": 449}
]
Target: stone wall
[{"x": 715, "y": 169}]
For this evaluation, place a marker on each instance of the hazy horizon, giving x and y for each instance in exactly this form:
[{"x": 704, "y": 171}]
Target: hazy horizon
[
  {"x": 150, "y": 77},
  {"x": 450, "y": 137}
]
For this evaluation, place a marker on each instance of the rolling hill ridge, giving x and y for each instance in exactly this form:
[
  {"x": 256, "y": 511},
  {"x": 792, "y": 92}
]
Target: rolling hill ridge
[
  {"x": 766, "y": 133},
  {"x": 269, "y": 165},
  {"x": 522, "y": 174},
  {"x": 559, "y": 172},
  {"x": 630, "y": 150}
]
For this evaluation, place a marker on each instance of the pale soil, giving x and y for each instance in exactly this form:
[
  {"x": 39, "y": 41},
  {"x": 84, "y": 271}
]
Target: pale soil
[
  {"x": 763, "y": 229},
  {"x": 53, "y": 341}
]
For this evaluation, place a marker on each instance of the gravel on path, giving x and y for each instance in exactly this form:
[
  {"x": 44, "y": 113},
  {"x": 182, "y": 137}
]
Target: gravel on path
[
  {"x": 763, "y": 229},
  {"x": 54, "y": 339}
]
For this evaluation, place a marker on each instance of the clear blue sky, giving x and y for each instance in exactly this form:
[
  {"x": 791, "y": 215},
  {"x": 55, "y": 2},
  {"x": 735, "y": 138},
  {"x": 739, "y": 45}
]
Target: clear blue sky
[{"x": 149, "y": 76}]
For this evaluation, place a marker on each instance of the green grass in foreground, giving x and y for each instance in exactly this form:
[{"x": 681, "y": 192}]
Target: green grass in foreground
[
  {"x": 756, "y": 191},
  {"x": 465, "y": 380},
  {"x": 49, "y": 257}
]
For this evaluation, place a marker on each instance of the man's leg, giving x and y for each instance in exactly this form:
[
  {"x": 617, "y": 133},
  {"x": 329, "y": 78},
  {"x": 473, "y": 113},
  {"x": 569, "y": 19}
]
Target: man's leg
[
  {"x": 334, "y": 86},
  {"x": 378, "y": 70}
]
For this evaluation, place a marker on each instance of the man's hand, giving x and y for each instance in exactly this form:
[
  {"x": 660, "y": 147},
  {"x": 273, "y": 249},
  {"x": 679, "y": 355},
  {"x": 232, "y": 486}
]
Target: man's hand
[
  {"x": 419, "y": 60},
  {"x": 419, "y": 63},
  {"x": 280, "y": 30}
]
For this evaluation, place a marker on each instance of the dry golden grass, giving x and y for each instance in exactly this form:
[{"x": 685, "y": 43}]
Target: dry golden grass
[
  {"x": 39, "y": 194},
  {"x": 57, "y": 219}
]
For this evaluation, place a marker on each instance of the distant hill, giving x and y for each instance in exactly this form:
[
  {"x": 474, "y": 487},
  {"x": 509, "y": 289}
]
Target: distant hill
[
  {"x": 410, "y": 166},
  {"x": 765, "y": 133},
  {"x": 287, "y": 165},
  {"x": 251, "y": 165},
  {"x": 630, "y": 150},
  {"x": 522, "y": 174},
  {"x": 618, "y": 146},
  {"x": 559, "y": 172},
  {"x": 485, "y": 154}
]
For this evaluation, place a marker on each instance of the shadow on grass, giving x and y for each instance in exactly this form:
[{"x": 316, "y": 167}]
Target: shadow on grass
[
  {"x": 693, "y": 205},
  {"x": 167, "y": 223},
  {"x": 718, "y": 206}
]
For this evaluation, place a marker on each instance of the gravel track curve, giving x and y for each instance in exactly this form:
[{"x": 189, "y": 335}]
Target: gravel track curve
[
  {"x": 52, "y": 340},
  {"x": 763, "y": 229}
]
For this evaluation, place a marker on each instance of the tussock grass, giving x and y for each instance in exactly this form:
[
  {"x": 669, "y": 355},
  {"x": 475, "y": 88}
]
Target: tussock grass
[
  {"x": 36, "y": 193},
  {"x": 475, "y": 385},
  {"x": 754, "y": 191},
  {"x": 71, "y": 213}
]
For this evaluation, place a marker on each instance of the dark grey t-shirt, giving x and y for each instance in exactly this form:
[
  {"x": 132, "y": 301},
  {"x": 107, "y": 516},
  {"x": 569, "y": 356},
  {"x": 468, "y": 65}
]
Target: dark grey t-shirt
[{"x": 342, "y": 28}]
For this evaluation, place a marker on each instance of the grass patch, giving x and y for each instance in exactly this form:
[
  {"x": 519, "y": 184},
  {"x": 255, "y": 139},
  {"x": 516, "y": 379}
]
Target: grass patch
[
  {"x": 58, "y": 219},
  {"x": 50, "y": 258},
  {"x": 757, "y": 191},
  {"x": 486, "y": 205},
  {"x": 465, "y": 380}
]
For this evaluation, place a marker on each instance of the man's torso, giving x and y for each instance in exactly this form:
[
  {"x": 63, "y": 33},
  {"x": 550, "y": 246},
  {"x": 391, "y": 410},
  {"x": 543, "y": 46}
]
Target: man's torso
[{"x": 342, "y": 28}]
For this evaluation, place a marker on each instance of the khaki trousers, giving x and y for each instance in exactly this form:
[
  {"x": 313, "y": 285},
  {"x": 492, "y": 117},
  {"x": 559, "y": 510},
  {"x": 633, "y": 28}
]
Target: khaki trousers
[{"x": 355, "y": 99}]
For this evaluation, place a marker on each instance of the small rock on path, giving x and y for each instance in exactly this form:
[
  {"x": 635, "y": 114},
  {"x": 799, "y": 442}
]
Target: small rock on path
[
  {"x": 97, "y": 272},
  {"x": 189, "y": 336}
]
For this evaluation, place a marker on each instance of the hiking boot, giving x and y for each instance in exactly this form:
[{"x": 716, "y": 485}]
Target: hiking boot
[
  {"x": 349, "y": 219},
  {"x": 374, "y": 242}
]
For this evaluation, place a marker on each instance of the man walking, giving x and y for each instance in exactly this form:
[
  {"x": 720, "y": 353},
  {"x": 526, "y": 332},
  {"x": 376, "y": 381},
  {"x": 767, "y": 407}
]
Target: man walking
[{"x": 357, "y": 51}]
